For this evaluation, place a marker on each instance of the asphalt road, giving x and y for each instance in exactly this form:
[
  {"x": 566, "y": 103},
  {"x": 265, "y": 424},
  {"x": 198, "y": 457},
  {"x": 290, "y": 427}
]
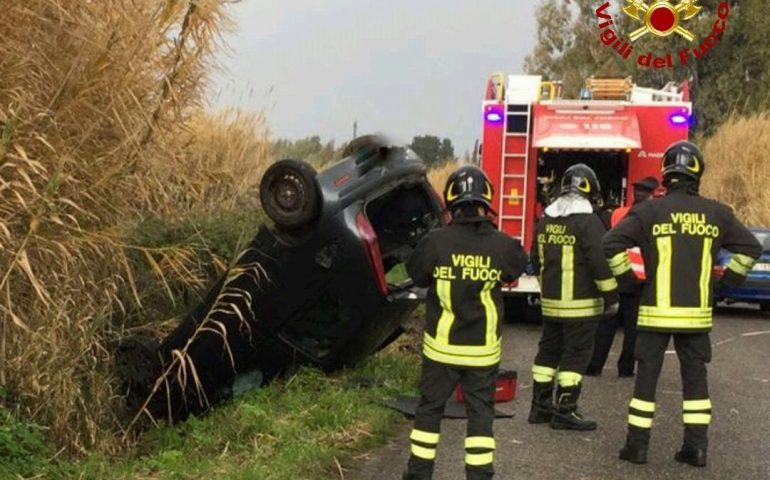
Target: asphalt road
[{"x": 739, "y": 376}]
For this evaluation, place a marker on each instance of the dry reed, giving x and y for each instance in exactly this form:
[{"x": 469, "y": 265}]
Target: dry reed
[
  {"x": 738, "y": 167},
  {"x": 101, "y": 125},
  {"x": 438, "y": 175}
]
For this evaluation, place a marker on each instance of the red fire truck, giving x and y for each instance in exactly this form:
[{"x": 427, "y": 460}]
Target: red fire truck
[{"x": 532, "y": 135}]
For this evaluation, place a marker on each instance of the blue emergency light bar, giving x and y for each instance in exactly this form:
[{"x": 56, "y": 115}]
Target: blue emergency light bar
[
  {"x": 494, "y": 115},
  {"x": 679, "y": 118}
]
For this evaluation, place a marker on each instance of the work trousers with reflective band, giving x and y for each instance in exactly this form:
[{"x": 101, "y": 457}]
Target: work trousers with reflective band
[
  {"x": 694, "y": 352},
  {"x": 437, "y": 384},
  {"x": 566, "y": 347}
]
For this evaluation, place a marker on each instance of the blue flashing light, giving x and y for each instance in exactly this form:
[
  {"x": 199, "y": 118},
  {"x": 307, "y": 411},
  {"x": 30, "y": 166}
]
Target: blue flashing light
[
  {"x": 493, "y": 114},
  {"x": 494, "y": 117},
  {"x": 679, "y": 119}
]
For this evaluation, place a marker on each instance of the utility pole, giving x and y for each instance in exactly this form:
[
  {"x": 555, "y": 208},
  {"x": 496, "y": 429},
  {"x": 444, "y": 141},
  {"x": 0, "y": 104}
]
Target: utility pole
[{"x": 355, "y": 129}]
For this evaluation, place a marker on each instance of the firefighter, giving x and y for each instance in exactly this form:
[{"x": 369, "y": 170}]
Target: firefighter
[
  {"x": 679, "y": 236},
  {"x": 463, "y": 265},
  {"x": 578, "y": 289},
  {"x": 629, "y": 299}
]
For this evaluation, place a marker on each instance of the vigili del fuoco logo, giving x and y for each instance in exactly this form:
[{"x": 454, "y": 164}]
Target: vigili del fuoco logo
[{"x": 661, "y": 18}]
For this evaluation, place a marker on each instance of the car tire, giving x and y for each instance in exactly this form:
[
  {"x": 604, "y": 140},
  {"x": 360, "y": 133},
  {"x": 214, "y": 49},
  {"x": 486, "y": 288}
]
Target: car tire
[{"x": 290, "y": 194}]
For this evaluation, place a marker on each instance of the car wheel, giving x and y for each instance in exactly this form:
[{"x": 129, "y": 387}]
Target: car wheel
[{"x": 290, "y": 194}]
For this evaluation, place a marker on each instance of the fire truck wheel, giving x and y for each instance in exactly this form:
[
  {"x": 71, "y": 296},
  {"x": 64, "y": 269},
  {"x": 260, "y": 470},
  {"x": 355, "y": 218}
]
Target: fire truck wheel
[{"x": 290, "y": 194}]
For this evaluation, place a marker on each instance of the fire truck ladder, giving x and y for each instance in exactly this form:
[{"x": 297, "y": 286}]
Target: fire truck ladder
[{"x": 512, "y": 205}]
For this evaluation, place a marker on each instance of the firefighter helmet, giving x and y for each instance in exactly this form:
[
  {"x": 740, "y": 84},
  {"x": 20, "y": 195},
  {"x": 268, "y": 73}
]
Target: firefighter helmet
[
  {"x": 683, "y": 158},
  {"x": 582, "y": 180},
  {"x": 468, "y": 184}
]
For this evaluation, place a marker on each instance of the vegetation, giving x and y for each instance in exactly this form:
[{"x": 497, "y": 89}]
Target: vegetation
[
  {"x": 121, "y": 199},
  {"x": 307, "y": 427},
  {"x": 310, "y": 149},
  {"x": 440, "y": 174},
  {"x": 738, "y": 167},
  {"x": 433, "y": 150},
  {"x": 734, "y": 77},
  {"x": 102, "y": 134}
]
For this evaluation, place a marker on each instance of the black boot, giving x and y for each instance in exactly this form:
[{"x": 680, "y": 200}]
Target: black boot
[
  {"x": 565, "y": 415},
  {"x": 476, "y": 474},
  {"x": 542, "y": 403},
  {"x": 635, "y": 449},
  {"x": 694, "y": 447},
  {"x": 695, "y": 457},
  {"x": 416, "y": 476}
]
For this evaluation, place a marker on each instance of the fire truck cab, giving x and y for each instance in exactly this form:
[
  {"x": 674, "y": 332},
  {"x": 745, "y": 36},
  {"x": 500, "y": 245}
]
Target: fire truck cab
[{"x": 531, "y": 136}]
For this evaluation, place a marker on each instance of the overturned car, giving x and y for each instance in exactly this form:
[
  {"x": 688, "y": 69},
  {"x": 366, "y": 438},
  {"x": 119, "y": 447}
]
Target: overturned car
[{"x": 324, "y": 285}]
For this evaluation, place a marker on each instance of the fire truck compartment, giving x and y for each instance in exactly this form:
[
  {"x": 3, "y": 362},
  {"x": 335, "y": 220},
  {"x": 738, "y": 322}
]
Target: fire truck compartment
[{"x": 611, "y": 168}]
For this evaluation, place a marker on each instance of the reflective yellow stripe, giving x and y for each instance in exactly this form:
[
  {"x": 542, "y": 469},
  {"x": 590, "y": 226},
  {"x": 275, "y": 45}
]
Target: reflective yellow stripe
[
  {"x": 542, "y": 374},
  {"x": 424, "y": 437},
  {"x": 741, "y": 264},
  {"x": 555, "y": 313},
  {"x": 567, "y": 272},
  {"x": 573, "y": 308},
  {"x": 606, "y": 285},
  {"x": 490, "y": 311},
  {"x": 569, "y": 379},
  {"x": 479, "y": 459},
  {"x": 640, "y": 422},
  {"x": 642, "y": 405},
  {"x": 576, "y": 304},
  {"x": 461, "y": 355},
  {"x": 541, "y": 255},
  {"x": 678, "y": 312},
  {"x": 663, "y": 273},
  {"x": 705, "y": 273},
  {"x": 462, "y": 361},
  {"x": 697, "y": 418},
  {"x": 444, "y": 292},
  {"x": 466, "y": 350},
  {"x": 620, "y": 263},
  {"x": 480, "y": 442},
  {"x": 696, "y": 404},
  {"x": 424, "y": 453},
  {"x": 675, "y": 317}
]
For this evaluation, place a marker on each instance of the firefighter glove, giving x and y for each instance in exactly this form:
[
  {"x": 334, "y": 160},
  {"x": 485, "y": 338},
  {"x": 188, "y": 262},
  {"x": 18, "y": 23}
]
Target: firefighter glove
[{"x": 610, "y": 310}]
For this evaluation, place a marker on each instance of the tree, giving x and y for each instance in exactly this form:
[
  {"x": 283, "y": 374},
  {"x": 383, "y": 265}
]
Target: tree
[
  {"x": 432, "y": 149},
  {"x": 310, "y": 149},
  {"x": 568, "y": 48},
  {"x": 733, "y": 77}
]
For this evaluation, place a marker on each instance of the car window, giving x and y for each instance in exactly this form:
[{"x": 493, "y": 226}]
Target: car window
[{"x": 764, "y": 240}]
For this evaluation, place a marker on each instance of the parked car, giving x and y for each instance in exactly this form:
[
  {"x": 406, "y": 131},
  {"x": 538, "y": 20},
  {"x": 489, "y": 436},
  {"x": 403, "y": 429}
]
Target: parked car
[
  {"x": 324, "y": 285},
  {"x": 756, "y": 288}
]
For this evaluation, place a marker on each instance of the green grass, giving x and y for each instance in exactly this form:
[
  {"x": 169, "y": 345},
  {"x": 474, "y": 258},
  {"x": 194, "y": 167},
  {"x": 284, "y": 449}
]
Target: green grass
[
  {"x": 301, "y": 427},
  {"x": 24, "y": 452}
]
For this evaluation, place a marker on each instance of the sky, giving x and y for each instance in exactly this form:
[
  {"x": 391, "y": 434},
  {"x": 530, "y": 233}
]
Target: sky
[{"x": 400, "y": 67}]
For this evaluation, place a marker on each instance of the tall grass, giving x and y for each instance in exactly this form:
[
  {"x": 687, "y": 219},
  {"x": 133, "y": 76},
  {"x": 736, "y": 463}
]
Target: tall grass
[
  {"x": 738, "y": 167},
  {"x": 101, "y": 128},
  {"x": 438, "y": 175}
]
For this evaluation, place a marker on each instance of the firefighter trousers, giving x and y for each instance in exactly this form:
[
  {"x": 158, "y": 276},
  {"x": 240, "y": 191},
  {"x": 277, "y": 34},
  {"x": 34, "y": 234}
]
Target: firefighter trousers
[
  {"x": 567, "y": 347},
  {"x": 437, "y": 384},
  {"x": 628, "y": 314},
  {"x": 694, "y": 352}
]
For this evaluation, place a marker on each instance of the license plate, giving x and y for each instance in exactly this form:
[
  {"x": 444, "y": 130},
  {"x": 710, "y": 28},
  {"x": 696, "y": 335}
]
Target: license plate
[{"x": 762, "y": 267}]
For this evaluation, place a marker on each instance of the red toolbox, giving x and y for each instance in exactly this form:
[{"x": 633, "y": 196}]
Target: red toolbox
[{"x": 505, "y": 390}]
